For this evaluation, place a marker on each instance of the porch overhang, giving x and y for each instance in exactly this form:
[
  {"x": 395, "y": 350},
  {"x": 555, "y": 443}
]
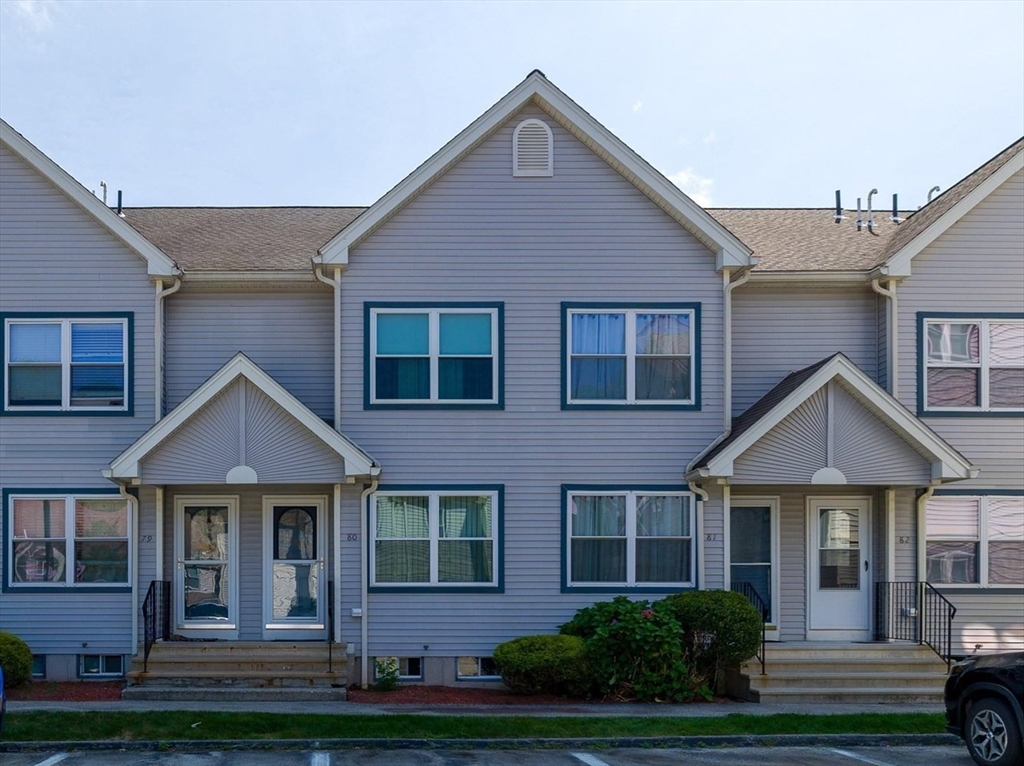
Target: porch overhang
[
  {"x": 241, "y": 427},
  {"x": 825, "y": 422}
]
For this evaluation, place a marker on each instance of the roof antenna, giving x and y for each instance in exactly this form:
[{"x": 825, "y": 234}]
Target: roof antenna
[
  {"x": 103, "y": 184},
  {"x": 859, "y": 221},
  {"x": 930, "y": 192},
  {"x": 871, "y": 219},
  {"x": 839, "y": 208},
  {"x": 895, "y": 212}
]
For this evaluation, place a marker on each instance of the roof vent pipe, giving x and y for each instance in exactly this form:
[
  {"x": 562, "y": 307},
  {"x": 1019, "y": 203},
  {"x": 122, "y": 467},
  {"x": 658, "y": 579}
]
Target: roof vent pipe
[
  {"x": 871, "y": 219},
  {"x": 895, "y": 212},
  {"x": 932, "y": 191},
  {"x": 119, "y": 204},
  {"x": 859, "y": 221},
  {"x": 103, "y": 185},
  {"x": 839, "y": 208}
]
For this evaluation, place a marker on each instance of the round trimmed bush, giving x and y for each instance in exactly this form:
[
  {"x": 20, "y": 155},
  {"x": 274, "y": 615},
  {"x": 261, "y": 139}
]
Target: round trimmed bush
[
  {"x": 720, "y": 629},
  {"x": 544, "y": 665},
  {"x": 15, "y": 659}
]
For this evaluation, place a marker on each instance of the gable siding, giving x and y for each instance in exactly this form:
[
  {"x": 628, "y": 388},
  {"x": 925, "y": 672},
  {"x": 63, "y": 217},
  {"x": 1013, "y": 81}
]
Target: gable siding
[
  {"x": 779, "y": 329},
  {"x": 288, "y": 333},
  {"x": 976, "y": 265},
  {"x": 479, "y": 234},
  {"x": 54, "y": 257}
]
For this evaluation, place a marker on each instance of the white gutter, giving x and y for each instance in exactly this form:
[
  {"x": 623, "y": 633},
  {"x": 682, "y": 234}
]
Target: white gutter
[
  {"x": 318, "y": 272},
  {"x": 364, "y": 579},
  {"x": 336, "y": 515},
  {"x": 891, "y": 320},
  {"x": 890, "y": 534},
  {"x": 922, "y": 527},
  {"x": 158, "y": 355},
  {"x": 158, "y": 536},
  {"x": 134, "y": 507}
]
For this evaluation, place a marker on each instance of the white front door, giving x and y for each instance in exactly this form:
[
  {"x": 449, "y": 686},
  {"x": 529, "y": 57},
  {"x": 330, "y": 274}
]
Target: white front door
[
  {"x": 839, "y": 568},
  {"x": 206, "y": 567},
  {"x": 294, "y": 575}
]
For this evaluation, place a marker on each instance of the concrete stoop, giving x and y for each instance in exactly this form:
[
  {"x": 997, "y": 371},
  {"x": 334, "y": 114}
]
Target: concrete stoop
[
  {"x": 240, "y": 671},
  {"x": 850, "y": 673}
]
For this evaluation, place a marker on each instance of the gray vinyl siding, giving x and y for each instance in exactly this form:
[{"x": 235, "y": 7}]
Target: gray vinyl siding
[
  {"x": 479, "y": 234},
  {"x": 906, "y": 535},
  {"x": 54, "y": 257},
  {"x": 975, "y": 266},
  {"x": 269, "y": 440},
  {"x": 865, "y": 450},
  {"x": 288, "y": 333},
  {"x": 994, "y": 620},
  {"x": 779, "y": 329}
]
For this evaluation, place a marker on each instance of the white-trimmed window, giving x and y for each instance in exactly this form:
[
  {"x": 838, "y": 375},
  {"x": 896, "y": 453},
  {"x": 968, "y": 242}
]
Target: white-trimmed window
[
  {"x": 67, "y": 541},
  {"x": 533, "y": 149},
  {"x": 409, "y": 668},
  {"x": 66, "y": 364},
  {"x": 434, "y": 356},
  {"x": 630, "y": 356},
  {"x": 100, "y": 665},
  {"x": 477, "y": 669},
  {"x": 629, "y": 538},
  {"x": 435, "y": 538},
  {"x": 973, "y": 365},
  {"x": 975, "y": 540}
]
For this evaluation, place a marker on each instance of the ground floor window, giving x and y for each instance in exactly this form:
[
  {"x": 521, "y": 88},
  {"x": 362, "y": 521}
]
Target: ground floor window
[
  {"x": 631, "y": 538},
  {"x": 409, "y": 668},
  {"x": 39, "y": 666},
  {"x": 477, "y": 669},
  {"x": 100, "y": 665},
  {"x": 975, "y": 540}
]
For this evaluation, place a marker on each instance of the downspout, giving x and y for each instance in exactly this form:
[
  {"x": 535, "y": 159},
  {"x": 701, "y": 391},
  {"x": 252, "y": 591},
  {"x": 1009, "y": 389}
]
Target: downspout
[
  {"x": 318, "y": 272},
  {"x": 133, "y": 505},
  {"x": 158, "y": 536},
  {"x": 922, "y": 527},
  {"x": 158, "y": 355},
  {"x": 702, "y": 497},
  {"x": 364, "y": 579},
  {"x": 891, "y": 317},
  {"x": 727, "y": 288}
]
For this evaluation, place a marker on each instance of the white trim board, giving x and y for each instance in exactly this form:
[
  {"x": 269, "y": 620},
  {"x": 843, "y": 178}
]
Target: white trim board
[{"x": 729, "y": 251}]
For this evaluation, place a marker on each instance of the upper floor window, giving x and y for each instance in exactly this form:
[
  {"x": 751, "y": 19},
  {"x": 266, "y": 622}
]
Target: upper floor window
[
  {"x": 532, "y": 149},
  {"x": 625, "y": 538},
  {"x": 975, "y": 540},
  {"x": 67, "y": 364},
  {"x": 973, "y": 364},
  {"x": 434, "y": 355},
  {"x": 74, "y": 540},
  {"x": 628, "y": 356}
]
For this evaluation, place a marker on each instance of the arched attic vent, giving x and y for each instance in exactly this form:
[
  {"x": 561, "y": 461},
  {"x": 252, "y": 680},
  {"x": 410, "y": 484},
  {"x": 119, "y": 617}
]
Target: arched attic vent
[{"x": 532, "y": 149}]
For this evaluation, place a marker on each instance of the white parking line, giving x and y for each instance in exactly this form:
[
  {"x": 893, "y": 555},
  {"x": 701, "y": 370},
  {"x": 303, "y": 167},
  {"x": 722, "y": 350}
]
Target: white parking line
[
  {"x": 588, "y": 759},
  {"x": 862, "y": 758},
  {"x": 320, "y": 759},
  {"x": 53, "y": 759}
]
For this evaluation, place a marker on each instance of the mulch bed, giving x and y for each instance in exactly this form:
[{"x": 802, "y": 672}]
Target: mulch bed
[
  {"x": 451, "y": 695},
  {"x": 69, "y": 691}
]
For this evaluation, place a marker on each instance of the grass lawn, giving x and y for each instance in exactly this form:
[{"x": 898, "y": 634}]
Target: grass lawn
[{"x": 185, "y": 725}]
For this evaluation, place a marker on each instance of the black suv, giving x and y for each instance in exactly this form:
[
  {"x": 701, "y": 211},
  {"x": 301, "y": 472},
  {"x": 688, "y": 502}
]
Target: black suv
[{"x": 985, "y": 707}]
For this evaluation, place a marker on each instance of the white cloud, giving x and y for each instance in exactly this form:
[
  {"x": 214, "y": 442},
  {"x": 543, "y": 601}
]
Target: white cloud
[
  {"x": 710, "y": 138},
  {"x": 36, "y": 14},
  {"x": 638, "y": 106},
  {"x": 697, "y": 188}
]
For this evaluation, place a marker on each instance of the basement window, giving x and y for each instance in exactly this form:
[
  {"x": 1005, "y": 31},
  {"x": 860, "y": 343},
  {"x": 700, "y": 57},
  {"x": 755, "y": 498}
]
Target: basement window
[
  {"x": 478, "y": 669},
  {"x": 101, "y": 665},
  {"x": 409, "y": 668}
]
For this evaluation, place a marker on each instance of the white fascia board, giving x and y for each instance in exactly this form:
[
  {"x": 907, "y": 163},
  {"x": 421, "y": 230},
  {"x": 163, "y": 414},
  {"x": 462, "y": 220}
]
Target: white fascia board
[
  {"x": 357, "y": 462},
  {"x": 823, "y": 277},
  {"x": 158, "y": 264},
  {"x": 730, "y": 252},
  {"x": 947, "y": 463},
  {"x": 898, "y": 265}
]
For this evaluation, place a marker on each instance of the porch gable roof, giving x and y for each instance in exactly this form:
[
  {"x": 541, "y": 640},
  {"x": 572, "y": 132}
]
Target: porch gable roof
[
  {"x": 127, "y": 467},
  {"x": 797, "y": 388}
]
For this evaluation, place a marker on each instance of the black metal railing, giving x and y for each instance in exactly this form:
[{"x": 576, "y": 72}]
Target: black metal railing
[
  {"x": 330, "y": 626},
  {"x": 156, "y": 617},
  {"x": 915, "y": 611},
  {"x": 750, "y": 593}
]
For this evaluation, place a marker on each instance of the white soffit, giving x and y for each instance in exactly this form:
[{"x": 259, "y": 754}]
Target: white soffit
[
  {"x": 126, "y": 465},
  {"x": 729, "y": 251},
  {"x": 158, "y": 264}
]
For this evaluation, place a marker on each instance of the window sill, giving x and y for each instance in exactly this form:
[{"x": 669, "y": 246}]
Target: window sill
[
  {"x": 626, "y": 589},
  {"x": 37, "y": 589},
  {"x": 66, "y": 413},
  {"x": 399, "y": 405},
  {"x": 925, "y": 413},
  {"x": 461, "y": 588},
  {"x": 623, "y": 406}
]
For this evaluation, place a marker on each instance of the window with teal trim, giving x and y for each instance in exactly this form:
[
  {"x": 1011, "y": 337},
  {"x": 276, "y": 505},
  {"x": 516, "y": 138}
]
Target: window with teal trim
[
  {"x": 65, "y": 364},
  {"x": 434, "y": 538},
  {"x": 973, "y": 365},
  {"x": 434, "y": 355},
  {"x": 630, "y": 356}
]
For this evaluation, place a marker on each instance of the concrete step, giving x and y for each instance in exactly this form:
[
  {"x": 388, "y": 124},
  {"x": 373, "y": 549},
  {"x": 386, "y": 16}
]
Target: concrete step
[
  {"x": 233, "y": 694},
  {"x": 777, "y": 665},
  {"x": 928, "y": 682},
  {"x": 827, "y": 694},
  {"x": 201, "y": 677},
  {"x": 877, "y": 651}
]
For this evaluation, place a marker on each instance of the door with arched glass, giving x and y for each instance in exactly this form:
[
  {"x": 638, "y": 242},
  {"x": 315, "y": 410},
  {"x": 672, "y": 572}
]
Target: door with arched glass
[{"x": 295, "y": 575}]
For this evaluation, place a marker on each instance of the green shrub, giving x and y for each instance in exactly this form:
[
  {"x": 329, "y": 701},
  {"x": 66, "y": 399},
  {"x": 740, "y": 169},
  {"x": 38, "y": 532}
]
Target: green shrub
[
  {"x": 544, "y": 665},
  {"x": 386, "y": 669},
  {"x": 720, "y": 629},
  {"x": 634, "y": 650},
  {"x": 15, "y": 659}
]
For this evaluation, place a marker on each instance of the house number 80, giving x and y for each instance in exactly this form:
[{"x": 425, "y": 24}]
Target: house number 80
[{"x": 352, "y": 538}]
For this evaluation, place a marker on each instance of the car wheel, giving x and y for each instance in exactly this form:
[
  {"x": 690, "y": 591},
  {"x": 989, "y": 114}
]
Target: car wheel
[{"x": 993, "y": 738}]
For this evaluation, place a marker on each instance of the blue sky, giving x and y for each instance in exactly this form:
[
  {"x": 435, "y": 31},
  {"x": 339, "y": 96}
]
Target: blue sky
[{"x": 762, "y": 104}]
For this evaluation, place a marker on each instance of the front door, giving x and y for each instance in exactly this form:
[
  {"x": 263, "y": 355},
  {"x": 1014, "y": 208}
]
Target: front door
[
  {"x": 206, "y": 568},
  {"x": 754, "y": 553},
  {"x": 839, "y": 564},
  {"x": 294, "y": 576}
]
